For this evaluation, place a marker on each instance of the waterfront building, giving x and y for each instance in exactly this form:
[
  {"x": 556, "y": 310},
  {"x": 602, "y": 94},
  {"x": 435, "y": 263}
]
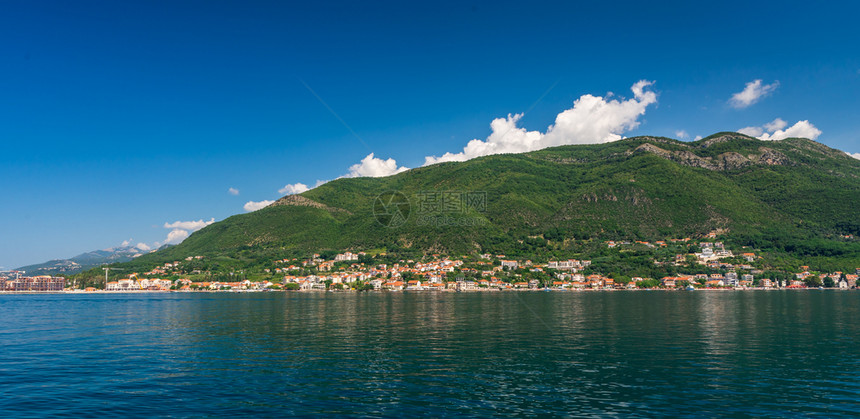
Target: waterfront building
[{"x": 43, "y": 283}]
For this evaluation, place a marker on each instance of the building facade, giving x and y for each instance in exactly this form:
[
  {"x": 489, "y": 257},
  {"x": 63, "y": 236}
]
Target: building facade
[{"x": 34, "y": 284}]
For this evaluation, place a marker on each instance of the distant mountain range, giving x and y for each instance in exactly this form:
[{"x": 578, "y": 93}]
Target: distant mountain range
[
  {"x": 770, "y": 193},
  {"x": 83, "y": 261}
]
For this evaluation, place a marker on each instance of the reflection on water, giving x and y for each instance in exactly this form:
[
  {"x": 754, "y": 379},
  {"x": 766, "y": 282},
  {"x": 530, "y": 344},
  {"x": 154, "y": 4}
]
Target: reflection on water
[{"x": 578, "y": 353}]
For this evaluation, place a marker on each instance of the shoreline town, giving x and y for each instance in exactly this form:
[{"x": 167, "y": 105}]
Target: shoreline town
[{"x": 356, "y": 272}]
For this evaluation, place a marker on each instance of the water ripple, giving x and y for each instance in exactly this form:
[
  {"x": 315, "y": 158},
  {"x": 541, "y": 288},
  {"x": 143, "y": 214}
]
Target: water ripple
[{"x": 425, "y": 354}]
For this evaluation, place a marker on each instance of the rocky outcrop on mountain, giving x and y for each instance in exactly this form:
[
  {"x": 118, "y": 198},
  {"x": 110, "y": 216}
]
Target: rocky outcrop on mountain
[
  {"x": 724, "y": 161},
  {"x": 300, "y": 201},
  {"x": 773, "y": 157},
  {"x": 721, "y": 139}
]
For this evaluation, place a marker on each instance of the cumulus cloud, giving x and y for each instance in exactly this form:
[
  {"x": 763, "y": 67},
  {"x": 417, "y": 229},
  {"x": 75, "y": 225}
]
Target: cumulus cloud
[
  {"x": 252, "y": 206},
  {"x": 698, "y": 137},
  {"x": 233, "y": 191},
  {"x": 801, "y": 129},
  {"x": 371, "y": 166},
  {"x": 189, "y": 225},
  {"x": 176, "y": 236},
  {"x": 753, "y": 91},
  {"x": 682, "y": 134},
  {"x": 179, "y": 231},
  {"x": 775, "y": 130},
  {"x": 294, "y": 188},
  {"x": 140, "y": 246},
  {"x": 775, "y": 125},
  {"x": 752, "y": 131},
  {"x": 855, "y": 155},
  {"x": 591, "y": 120}
]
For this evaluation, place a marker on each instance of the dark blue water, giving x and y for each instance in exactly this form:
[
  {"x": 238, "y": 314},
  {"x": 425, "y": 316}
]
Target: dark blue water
[{"x": 778, "y": 353}]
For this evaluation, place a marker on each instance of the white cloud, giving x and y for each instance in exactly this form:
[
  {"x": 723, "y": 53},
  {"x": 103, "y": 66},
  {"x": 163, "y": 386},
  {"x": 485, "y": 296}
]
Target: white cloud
[
  {"x": 591, "y": 120},
  {"x": 176, "y": 236},
  {"x": 233, "y": 191},
  {"x": 375, "y": 167},
  {"x": 252, "y": 206},
  {"x": 370, "y": 166},
  {"x": 140, "y": 246},
  {"x": 753, "y": 91},
  {"x": 752, "y": 131},
  {"x": 179, "y": 231},
  {"x": 294, "y": 188},
  {"x": 855, "y": 155},
  {"x": 698, "y": 137},
  {"x": 775, "y": 125},
  {"x": 773, "y": 131},
  {"x": 682, "y": 134},
  {"x": 801, "y": 129},
  {"x": 189, "y": 225}
]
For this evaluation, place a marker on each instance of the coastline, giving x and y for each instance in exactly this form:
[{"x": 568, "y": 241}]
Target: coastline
[{"x": 82, "y": 292}]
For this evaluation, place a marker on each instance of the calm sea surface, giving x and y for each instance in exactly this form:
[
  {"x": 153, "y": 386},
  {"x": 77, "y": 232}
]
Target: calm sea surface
[{"x": 776, "y": 353}]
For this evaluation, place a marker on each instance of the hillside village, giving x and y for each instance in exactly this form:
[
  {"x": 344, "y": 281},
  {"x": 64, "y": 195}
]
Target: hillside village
[{"x": 710, "y": 265}]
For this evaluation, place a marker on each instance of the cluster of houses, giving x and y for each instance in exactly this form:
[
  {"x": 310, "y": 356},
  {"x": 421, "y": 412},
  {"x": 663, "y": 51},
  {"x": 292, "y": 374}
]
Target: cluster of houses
[
  {"x": 451, "y": 275},
  {"x": 438, "y": 275},
  {"x": 154, "y": 284},
  {"x": 143, "y": 284},
  {"x": 429, "y": 275},
  {"x": 839, "y": 279},
  {"x": 489, "y": 272},
  {"x": 486, "y": 273},
  {"x": 170, "y": 266},
  {"x": 245, "y": 285}
]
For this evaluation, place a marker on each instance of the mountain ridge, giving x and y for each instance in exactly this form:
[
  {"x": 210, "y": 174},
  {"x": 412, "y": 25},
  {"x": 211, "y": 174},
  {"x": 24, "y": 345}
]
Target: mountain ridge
[
  {"x": 758, "y": 192},
  {"x": 795, "y": 199},
  {"x": 83, "y": 261}
]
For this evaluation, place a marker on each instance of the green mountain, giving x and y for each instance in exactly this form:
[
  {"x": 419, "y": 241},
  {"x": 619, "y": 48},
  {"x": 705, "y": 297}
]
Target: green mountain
[{"x": 796, "y": 195}]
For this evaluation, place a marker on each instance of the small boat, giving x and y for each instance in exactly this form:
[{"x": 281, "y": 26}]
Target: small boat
[{"x": 690, "y": 288}]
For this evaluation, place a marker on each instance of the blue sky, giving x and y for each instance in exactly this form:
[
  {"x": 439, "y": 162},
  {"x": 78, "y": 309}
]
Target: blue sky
[{"x": 119, "y": 119}]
